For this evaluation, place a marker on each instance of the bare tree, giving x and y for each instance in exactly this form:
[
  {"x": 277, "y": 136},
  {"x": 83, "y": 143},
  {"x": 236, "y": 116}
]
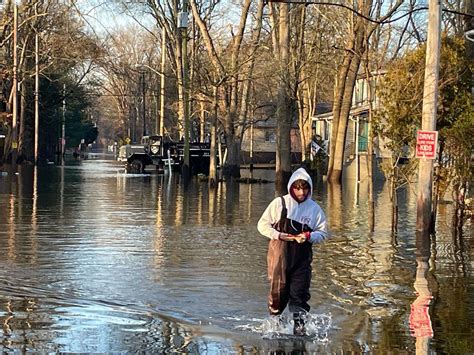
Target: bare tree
[
  {"x": 127, "y": 62},
  {"x": 228, "y": 65},
  {"x": 315, "y": 62},
  {"x": 360, "y": 32}
]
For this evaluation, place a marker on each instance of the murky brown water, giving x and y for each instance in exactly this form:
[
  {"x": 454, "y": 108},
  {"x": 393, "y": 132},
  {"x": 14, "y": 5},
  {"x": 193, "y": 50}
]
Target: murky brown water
[{"x": 93, "y": 260}]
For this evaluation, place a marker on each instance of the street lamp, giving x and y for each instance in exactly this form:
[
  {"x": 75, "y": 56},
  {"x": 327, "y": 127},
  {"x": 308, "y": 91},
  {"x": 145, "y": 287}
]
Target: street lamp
[{"x": 140, "y": 68}]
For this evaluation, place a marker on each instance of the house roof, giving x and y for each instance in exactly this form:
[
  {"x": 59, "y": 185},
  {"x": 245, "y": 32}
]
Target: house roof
[
  {"x": 323, "y": 107},
  {"x": 363, "y": 75},
  {"x": 355, "y": 111},
  {"x": 271, "y": 122}
]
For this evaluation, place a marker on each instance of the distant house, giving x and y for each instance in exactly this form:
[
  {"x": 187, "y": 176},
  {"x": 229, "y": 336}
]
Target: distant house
[{"x": 259, "y": 140}]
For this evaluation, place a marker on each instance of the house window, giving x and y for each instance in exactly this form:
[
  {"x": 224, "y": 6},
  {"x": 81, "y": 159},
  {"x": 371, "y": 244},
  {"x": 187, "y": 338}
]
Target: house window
[
  {"x": 363, "y": 135},
  {"x": 270, "y": 136},
  {"x": 360, "y": 92}
]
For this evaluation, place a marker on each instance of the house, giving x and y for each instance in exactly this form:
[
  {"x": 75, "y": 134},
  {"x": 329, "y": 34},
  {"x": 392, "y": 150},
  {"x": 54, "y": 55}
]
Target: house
[
  {"x": 259, "y": 141},
  {"x": 355, "y": 151}
]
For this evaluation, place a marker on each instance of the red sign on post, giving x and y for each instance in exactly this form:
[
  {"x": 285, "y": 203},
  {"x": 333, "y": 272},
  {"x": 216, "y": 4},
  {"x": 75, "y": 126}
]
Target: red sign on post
[{"x": 426, "y": 144}]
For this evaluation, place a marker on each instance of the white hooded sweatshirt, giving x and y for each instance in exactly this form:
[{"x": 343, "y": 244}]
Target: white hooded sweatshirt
[{"x": 307, "y": 212}]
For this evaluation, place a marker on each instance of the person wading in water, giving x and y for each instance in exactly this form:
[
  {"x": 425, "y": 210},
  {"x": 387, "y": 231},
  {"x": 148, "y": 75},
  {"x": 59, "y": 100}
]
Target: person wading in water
[{"x": 293, "y": 223}]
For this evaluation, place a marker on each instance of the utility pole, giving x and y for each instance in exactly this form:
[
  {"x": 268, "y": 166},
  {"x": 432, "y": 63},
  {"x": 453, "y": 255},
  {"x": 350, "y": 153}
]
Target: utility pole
[
  {"x": 36, "y": 97},
  {"x": 157, "y": 115},
  {"x": 430, "y": 95},
  {"x": 162, "y": 83},
  {"x": 15, "y": 88},
  {"x": 142, "y": 76},
  {"x": 183, "y": 26}
]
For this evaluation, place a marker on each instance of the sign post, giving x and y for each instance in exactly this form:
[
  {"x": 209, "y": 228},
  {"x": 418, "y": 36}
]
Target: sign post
[{"x": 426, "y": 144}]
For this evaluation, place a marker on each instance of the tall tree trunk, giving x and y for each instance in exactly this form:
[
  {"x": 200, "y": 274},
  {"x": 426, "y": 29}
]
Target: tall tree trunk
[
  {"x": 284, "y": 114},
  {"x": 306, "y": 110},
  {"x": 25, "y": 137},
  {"x": 229, "y": 86},
  {"x": 202, "y": 121},
  {"x": 303, "y": 118},
  {"x": 336, "y": 110},
  {"x": 303, "y": 90},
  {"x": 25, "y": 142},
  {"x": 361, "y": 32},
  {"x": 181, "y": 103},
  {"x": 213, "y": 159},
  {"x": 231, "y": 168},
  {"x": 345, "y": 106}
]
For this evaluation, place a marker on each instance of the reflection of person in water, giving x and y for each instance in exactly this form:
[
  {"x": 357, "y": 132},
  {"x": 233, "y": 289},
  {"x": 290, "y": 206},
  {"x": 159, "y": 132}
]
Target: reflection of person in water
[{"x": 420, "y": 321}]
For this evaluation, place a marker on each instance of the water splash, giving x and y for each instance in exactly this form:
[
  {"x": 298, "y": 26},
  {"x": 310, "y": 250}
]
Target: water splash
[
  {"x": 318, "y": 325},
  {"x": 281, "y": 327},
  {"x": 275, "y": 326}
]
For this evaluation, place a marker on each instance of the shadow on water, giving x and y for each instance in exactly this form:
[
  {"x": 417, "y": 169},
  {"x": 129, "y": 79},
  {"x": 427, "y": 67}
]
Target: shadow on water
[{"x": 94, "y": 260}]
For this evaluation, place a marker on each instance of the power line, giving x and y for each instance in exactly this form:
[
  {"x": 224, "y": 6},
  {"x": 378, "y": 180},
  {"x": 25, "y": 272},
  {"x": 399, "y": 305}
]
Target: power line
[{"x": 311, "y": 2}]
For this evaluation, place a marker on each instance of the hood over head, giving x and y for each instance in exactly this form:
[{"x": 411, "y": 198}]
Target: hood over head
[{"x": 301, "y": 174}]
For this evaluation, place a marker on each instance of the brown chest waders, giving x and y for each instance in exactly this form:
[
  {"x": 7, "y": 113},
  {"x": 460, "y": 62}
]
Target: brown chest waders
[{"x": 289, "y": 268}]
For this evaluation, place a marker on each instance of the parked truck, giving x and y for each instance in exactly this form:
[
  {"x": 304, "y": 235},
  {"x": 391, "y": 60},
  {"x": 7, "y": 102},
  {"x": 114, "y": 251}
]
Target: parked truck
[{"x": 153, "y": 150}]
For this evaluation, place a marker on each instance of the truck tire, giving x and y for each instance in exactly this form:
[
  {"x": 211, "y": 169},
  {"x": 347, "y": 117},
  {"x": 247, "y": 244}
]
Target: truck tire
[{"x": 136, "y": 166}]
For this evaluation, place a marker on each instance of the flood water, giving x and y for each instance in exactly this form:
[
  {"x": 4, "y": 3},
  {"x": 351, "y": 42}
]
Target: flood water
[{"x": 94, "y": 260}]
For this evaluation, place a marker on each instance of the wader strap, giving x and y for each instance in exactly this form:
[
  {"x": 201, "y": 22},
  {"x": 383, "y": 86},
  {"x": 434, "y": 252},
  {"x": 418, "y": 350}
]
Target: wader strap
[{"x": 284, "y": 211}]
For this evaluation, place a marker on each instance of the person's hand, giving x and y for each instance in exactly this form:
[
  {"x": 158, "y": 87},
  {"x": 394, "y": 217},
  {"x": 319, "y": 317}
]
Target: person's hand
[
  {"x": 300, "y": 238},
  {"x": 286, "y": 237}
]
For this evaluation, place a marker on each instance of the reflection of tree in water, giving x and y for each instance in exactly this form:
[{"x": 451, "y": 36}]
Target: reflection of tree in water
[
  {"x": 454, "y": 299},
  {"x": 334, "y": 207},
  {"x": 161, "y": 336},
  {"x": 232, "y": 190},
  {"x": 459, "y": 245},
  {"x": 27, "y": 321},
  {"x": 212, "y": 203}
]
